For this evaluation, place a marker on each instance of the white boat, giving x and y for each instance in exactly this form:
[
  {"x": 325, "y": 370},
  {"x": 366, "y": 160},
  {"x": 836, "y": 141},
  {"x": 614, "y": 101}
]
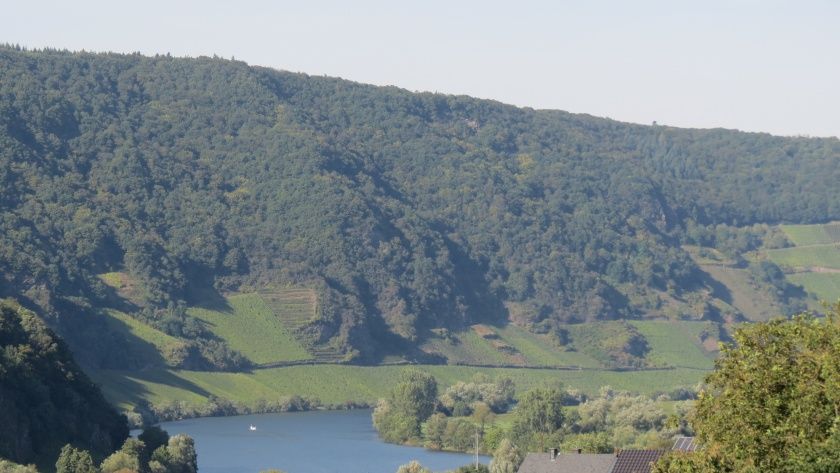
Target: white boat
[{"x": 252, "y": 427}]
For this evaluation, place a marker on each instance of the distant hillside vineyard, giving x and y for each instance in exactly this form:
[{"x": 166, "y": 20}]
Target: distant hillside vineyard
[{"x": 152, "y": 184}]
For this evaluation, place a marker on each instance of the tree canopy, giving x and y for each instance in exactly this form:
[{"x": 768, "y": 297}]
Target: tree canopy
[{"x": 773, "y": 401}]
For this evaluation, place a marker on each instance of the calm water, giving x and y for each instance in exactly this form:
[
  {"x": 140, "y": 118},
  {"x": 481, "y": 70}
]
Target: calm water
[{"x": 303, "y": 442}]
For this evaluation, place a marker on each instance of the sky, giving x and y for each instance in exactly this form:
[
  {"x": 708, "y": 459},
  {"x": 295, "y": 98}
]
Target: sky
[{"x": 754, "y": 65}]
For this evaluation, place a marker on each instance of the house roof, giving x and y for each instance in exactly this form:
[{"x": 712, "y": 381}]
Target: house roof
[
  {"x": 567, "y": 463},
  {"x": 636, "y": 461},
  {"x": 685, "y": 444}
]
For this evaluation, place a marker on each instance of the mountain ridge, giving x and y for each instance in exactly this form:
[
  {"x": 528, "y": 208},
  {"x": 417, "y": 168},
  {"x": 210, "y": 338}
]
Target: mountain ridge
[{"x": 404, "y": 212}]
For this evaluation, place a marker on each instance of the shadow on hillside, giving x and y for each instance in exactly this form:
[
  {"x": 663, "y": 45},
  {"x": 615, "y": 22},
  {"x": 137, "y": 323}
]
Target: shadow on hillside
[
  {"x": 201, "y": 293},
  {"x": 132, "y": 386},
  {"x": 718, "y": 289}
]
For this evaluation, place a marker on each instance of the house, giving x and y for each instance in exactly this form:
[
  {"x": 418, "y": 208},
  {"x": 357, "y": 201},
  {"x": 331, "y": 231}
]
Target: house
[
  {"x": 555, "y": 462},
  {"x": 624, "y": 461}
]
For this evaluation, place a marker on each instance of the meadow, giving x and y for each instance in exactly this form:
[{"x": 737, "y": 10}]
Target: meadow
[
  {"x": 822, "y": 256},
  {"x": 803, "y": 235},
  {"x": 825, "y": 286},
  {"x": 337, "y": 384}
]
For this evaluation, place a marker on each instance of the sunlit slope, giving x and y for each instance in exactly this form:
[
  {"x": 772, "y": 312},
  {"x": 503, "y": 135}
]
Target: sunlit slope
[
  {"x": 254, "y": 329},
  {"x": 814, "y": 261}
]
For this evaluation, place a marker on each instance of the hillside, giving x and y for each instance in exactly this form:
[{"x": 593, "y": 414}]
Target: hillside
[
  {"x": 155, "y": 189},
  {"x": 813, "y": 260},
  {"x": 45, "y": 399}
]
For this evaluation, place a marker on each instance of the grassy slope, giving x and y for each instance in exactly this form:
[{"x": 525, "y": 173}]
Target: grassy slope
[
  {"x": 340, "y": 383},
  {"x": 751, "y": 301},
  {"x": 816, "y": 247},
  {"x": 825, "y": 286},
  {"x": 156, "y": 342},
  {"x": 249, "y": 326},
  {"x": 802, "y": 235},
  {"x": 826, "y": 256},
  {"x": 676, "y": 343}
]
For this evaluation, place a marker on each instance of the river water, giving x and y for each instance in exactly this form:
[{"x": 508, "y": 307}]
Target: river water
[{"x": 303, "y": 442}]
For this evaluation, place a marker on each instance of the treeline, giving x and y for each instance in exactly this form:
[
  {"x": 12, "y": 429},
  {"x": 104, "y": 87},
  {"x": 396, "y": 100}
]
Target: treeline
[
  {"x": 153, "y": 451},
  {"x": 404, "y": 211},
  {"x": 145, "y": 413},
  {"x": 542, "y": 418}
]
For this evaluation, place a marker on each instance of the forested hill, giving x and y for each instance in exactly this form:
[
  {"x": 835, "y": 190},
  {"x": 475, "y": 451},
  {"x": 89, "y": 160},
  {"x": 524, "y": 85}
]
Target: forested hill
[
  {"x": 46, "y": 401},
  {"x": 403, "y": 211}
]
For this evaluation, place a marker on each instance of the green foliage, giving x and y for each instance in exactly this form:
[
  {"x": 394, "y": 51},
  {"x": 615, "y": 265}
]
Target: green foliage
[
  {"x": 410, "y": 402},
  {"x": 462, "y": 396},
  {"x": 413, "y": 467},
  {"x": 696, "y": 462},
  {"x": 45, "y": 400},
  {"x": 8, "y": 467},
  {"x": 72, "y": 460},
  {"x": 401, "y": 211},
  {"x": 472, "y": 469},
  {"x": 180, "y": 456},
  {"x": 506, "y": 458},
  {"x": 771, "y": 404},
  {"x": 119, "y": 461},
  {"x": 540, "y": 410}
]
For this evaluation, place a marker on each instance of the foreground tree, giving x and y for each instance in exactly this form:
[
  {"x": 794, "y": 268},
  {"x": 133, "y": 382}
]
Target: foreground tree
[
  {"x": 413, "y": 467},
  {"x": 773, "y": 402},
  {"x": 411, "y": 401},
  {"x": 506, "y": 458},
  {"x": 73, "y": 460}
]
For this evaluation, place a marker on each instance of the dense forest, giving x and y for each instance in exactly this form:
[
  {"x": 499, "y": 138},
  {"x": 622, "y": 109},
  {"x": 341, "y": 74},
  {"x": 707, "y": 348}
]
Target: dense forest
[
  {"x": 405, "y": 211},
  {"x": 46, "y": 401}
]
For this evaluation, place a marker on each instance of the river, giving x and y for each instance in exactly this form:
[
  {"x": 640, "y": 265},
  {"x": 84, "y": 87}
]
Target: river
[{"x": 303, "y": 442}]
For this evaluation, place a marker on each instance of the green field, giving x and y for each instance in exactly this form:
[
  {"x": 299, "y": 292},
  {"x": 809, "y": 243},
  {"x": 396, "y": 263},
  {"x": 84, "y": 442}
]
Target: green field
[
  {"x": 340, "y": 383},
  {"x": 825, "y": 256},
  {"x": 825, "y": 286},
  {"x": 802, "y": 235},
  {"x": 249, "y": 326},
  {"x": 676, "y": 343}
]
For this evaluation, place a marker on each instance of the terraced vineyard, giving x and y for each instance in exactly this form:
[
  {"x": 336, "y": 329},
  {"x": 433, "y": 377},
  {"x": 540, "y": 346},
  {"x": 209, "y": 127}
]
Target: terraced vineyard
[
  {"x": 249, "y": 325},
  {"x": 295, "y": 308}
]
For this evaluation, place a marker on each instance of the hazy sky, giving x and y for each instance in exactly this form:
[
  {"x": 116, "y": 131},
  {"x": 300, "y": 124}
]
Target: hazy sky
[{"x": 753, "y": 65}]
